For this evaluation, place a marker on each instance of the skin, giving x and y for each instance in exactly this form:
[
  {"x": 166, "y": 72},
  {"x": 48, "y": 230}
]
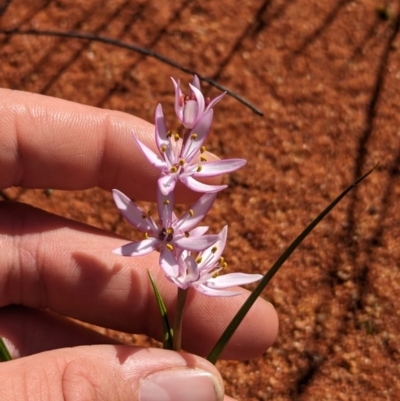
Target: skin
[{"x": 53, "y": 268}]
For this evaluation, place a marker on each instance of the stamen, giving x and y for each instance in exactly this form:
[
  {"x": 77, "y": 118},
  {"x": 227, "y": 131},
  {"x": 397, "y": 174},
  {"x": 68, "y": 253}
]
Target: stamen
[
  {"x": 199, "y": 259},
  {"x": 202, "y": 149},
  {"x": 144, "y": 216},
  {"x": 215, "y": 275},
  {"x": 169, "y": 247},
  {"x": 182, "y": 162},
  {"x": 166, "y": 202},
  {"x": 224, "y": 265},
  {"x": 191, "y": 213},
  {"x": 187, "y": 235},
  {"x": 214, "y": 249},
  {"x": 163, "y": 148},
  {"x": 173, "y": 169},
  {"x": 203, "y": 159},
  {"x": 193, "y": 137},
  {"x": 169, "y": 134},
  {"x": 199, "y": 168},
  {"x": 176, "y": 137},
  {"x": 145, "y": 235}
]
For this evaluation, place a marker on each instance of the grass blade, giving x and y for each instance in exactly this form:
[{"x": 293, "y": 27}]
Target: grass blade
[
  {"x": 168, "y": 334},
  {"x": 233, "y": 325},
  {"x": 4, "y": 353}
]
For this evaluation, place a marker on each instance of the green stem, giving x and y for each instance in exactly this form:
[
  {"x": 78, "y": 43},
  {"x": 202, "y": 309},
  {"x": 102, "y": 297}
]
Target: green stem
[
  {"x": 4, "y": 353},
  {"x": 180, "y": 306}
]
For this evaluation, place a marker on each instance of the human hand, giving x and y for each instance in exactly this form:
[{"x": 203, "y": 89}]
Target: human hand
[{"x": 67, "y": 268}]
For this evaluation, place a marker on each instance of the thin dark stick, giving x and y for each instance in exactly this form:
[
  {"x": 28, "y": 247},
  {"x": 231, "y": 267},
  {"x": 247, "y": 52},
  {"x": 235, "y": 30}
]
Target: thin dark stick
[{"x": 138, "y": 49}]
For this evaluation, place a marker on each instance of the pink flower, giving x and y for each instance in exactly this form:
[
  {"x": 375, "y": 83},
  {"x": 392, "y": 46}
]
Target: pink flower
[
  {"x": 172, "y": 235},
  {"x": 190, "y": 109},
  {"x": 202, "y": 272},
  {"x": 184, "y": 160}
]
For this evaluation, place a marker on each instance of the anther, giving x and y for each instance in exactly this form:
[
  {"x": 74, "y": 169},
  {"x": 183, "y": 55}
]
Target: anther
[
  {"x": 166, "y": 202},
  {"x": 214, "y": 249},
  {"x": 191, "y": 213},
  {"x": 203, "y": 159},
  {"x": 199, "y": 168},
  {"x": 202, "y": 149},
  {"x": 173, "y": 169},
  {"x": 146, "y": 236},
  {"x": 182, "y": 162},
  {"x": 169, "y": 247},
  {"x": 163, "y": 148},
  {"x": 187, "y": 235},
  {"x": 169, "y": 134},
  {"x": 199, "y": 259},
  {"x": 176, "y": 137},
  {"x": 193, "y": 137}
]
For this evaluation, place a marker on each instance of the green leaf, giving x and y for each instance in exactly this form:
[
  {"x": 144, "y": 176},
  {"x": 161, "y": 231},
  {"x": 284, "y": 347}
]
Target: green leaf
[
  {"x": 234, "y": 324},
  {"x": 168, "y": 333},
  {"x": 4, "y": 353}
]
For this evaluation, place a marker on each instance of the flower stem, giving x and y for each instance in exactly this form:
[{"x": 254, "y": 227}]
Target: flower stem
[
  {"x": 180, "y": 306},
  {"x": 4, "y": 353}
]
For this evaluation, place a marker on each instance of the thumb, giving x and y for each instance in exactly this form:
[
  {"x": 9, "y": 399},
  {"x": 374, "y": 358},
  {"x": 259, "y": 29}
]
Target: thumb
[{"x": 110, "y": 372}]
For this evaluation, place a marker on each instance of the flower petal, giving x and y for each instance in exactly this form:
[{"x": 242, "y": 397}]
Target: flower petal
[
  {"x": 153, "y": 158},
  {"x": 233, "y": 279},
  {"x": 190, "y": 113},
  {"x": 166, "y": 183},
  {"x": 215, "y": 101},
  {"x": 198, "y": 186},
  {"x": 209, "y": 258},
  {"x": 133, "y": 213},
  {"x": 165, "y": 208},
  {"x": 178, "y": 98},
  {"x": 194, "y": 142},
  {"x": 197, "y": 212},
  {"x": 215, "y": 292},
  {"x": 137, "y": 248},
  {"x": 196, "y": 82},
  {"x": 199, "y": 98},
  {"x": 169, "y": 263},
  {"x": 210, "y": 169},
  {"x": 196, "y": 244}
]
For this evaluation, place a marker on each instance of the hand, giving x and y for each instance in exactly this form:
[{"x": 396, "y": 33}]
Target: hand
[{"x": 51, "y": 267}]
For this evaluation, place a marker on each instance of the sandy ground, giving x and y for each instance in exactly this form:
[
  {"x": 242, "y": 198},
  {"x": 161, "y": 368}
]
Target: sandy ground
[{"x": 326, "y": 75}]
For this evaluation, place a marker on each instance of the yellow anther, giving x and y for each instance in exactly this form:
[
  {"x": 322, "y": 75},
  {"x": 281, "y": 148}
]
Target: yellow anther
[
  {"x": 214, "y": 249},
  {"x": 176, "y": 137},
  {"x": 187, "y": 235},
  {"x": 169, "y": 231},
  {"x": 193, "y": 137},
  {"x": 202, "y": 149},
  {"x": 166, "y": 202},
  {"x": 215, "y": 275},
  {"x": 163, "y": 148},
  {"x": 203, "y": 159},
  {"x": 146, "y": 236},
  {"x": 199, "y": 260},
  {"x": 182, "y": 162},
  {"x": 199, "y": 168},
  {"x": 173, "y": 169},
  {"x": 191, "y": 213},
  {"x": 169, "y": 247},
  {"x": 169, "y": 134},
  {"x": 224, "y": 265}
]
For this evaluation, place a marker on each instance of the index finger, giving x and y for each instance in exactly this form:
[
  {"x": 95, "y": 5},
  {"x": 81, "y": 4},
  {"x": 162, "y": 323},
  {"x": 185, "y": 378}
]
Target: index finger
[{"x": 52, "y": 143}]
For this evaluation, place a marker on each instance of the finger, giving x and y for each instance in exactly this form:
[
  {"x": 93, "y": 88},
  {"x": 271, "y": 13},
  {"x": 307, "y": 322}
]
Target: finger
[
  {"x": 50, "y": 262},
  {"x": 29, "y": 331},
  {"x": 52, "y": 143},
  {"x": 110, "y": 372}
]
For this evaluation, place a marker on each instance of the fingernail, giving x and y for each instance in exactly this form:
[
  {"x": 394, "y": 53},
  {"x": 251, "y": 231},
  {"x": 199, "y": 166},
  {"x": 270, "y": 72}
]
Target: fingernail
[{"x": 181, "y": 385}]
